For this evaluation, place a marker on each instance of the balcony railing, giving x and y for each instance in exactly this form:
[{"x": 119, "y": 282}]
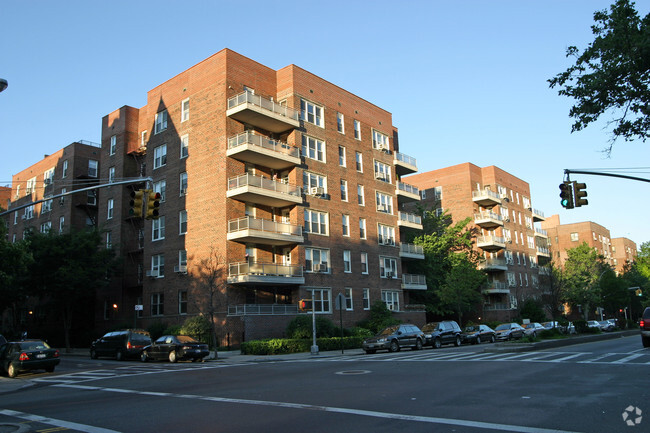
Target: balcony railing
[
  {"x": 410, "y": 220},
  {"x": 544, "y": 270},
  {"x": 249, "y": 229},
  {"x": 404, "y": 164},
  {"x": 261, "y": 150},
  {"x": 541, "y": 232},
  {"x": 261, "y": 273},
  {"x": 262, "y": 310},
  {"x": 406, "y": 192},
  {"x": 538, "y": 215},
  {"x": 493, "y": 264},
  {"x": 486, "y": 197},
  {"x": 488, "y": 219},
  {"x": 543, "y": 251},
  {"x": 265, "y": 113},
  {"x": 414, "y": 282},
  {"x": 491, "y": 243},
  {"x": 411, "y": 250},
  {"x": 496, "y": 307},
  {"x": 257, "y": 189}
]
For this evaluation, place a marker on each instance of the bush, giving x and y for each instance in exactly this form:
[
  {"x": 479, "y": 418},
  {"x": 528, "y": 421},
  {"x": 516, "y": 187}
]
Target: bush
[
  {"x": 359, "y": 332},
  {"x": 532, "y": 309},
  {"x": 550, "y": 333},
  {"x": 380, "y": 318},
  {"x": 301, "y": 327},
  {"x": 197, "y": 327},
  {"x": 279, "y": 346},
  {"x": 173, "y": 330},
  {"x": 581, "y": 326},
  {"x": 157, "y": 330}
]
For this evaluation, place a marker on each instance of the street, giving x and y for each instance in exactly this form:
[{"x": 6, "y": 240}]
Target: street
[{"x": 581, "y": 388}]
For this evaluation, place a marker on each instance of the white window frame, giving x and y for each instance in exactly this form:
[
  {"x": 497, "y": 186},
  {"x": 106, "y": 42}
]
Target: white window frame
[
  {"x": 93, "y": 168},
  {"x": 383, "y": 172},
  {"x": 320, "y": 218},
  {"x": 387, "y": 264},
  {"x": 344, "y": 190},
  {"x": 345, "y": 225},
  {"x": 30, "y": 187},
  {"x": 349, "y": 305},
  {"x": 161, "y": 188},
  {"x": 61, "y": 224},
  {"x": 384, "y": 202},
  {"x": 312, "y": 113},
  {"x": 323, "y": 256},
  {"x": 358, "y": 161},
  {"x": 182, "y": 302},
  {"x": 380, "y": 140},
  {"x": 158, "y": 264},
  {"x": 185, "y": 146},
  {"x": 361, "y": 195},
  {"x": 111, "y": 174},
  {"x": 160, "y": 156},
  {"x": 109, "y": 240},
  {"x": 321, "y": 299},
  {"x": 113, "y": 145},
  {"x": 182, "y": 182},
  {"x": 185, "y": 109},
  {"x": 160, "y": 122},
  {"x": 182, "y": 220},
  {"x": 340, "y": 123},
  {"x": 314, "y": 180},
  {"x": 342, "y": 156},
  {"x": 391, "y": 299},
  {"x": 357, "y": 129},
  {"x": 109, "y": 208},
  {"x": 363, "y": 230},
  {"x": 574, "y": 237},
  {"x": 314, "y": 148},
  {"x": 385, "y": 234},
  {"x": 366, "y": 299},
  {"x": 158, "y": 229},
  {"x": 64, "y": 171},
  {"x": 347, "y": 261}
]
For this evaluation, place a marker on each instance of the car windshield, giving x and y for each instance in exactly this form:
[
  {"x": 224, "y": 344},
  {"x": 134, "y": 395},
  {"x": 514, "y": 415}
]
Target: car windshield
[
  {"x": 390, "y": 330},
  {"x": 503, "y": 327},
  {"x": 471, "y": 329},
  {"x": 429, "y": 327},
  {"x": 34, "y": 345},
  {"x": 185, "y": 339}
]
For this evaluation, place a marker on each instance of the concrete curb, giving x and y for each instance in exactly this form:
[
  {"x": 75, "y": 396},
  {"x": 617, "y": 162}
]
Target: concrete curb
[{"x": 549, "y": 344}]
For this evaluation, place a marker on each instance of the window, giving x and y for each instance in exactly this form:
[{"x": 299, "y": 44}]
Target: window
[
  {"x": 316, "y": 222},
  {"x": 312, "y": 113},
  {"x": 357, "y": 129},
  {"x": 391, "y": 299},
  {"x": 182, "y": 222},
  {"x": 347, "y": 261},
  {"x": 437, "y": 193},
  {"x": 185, "y": 110},
  {"x": 182, "y": 302},
  {"x": 321, "y": 300},
  {"x": 91, "y": 198},
  {"x": 158, "y": 265},
  {"x": 340, "y": 124},
  {"x": 362, "y": 228},
  {"x": 109, "y": 240},
  {"x": 143, "y": 139},
  {"x": 111, "y": 148},
  {"x": 313, "y": 148},
  {"x": 361, "y": 199},
  {"x": 342, "y": 156},
  {"x": 364, "y": 262},
  {"x": 182, "y": 257},
  {"x": 317, "y": 260},
  {"x": 531, "y": 242},
  {"x": 345, "y": 224},
  {"x": 111, "y": 175},
  {"x": 344, "y": 190},
  {"x": 46, "y": 227},
  {"x": 386, "y": 234},
  {"x": 160, "y": 156},
  {"x": 574, "y": 237},
  {"x": 387, "y": 267},
  {"x": 313, "y": 180},
  {"x": 161, "y": 187},
  {"x": 382, "y": 171},
  {"x": 61, "y": 224},
  {"x": 157, "y": 304},
  {"x": 64, "y": 172},
  {"x": 384, "y": 202},
  {"x": 348, "y": 299},
  {"x": 518, "y": 258},
  {"x": 17, "y": 191},
  {"x": 158, "y": 229},
  {"x": 423, "y": 194},
  {"x": 182, "y": 181},
  {"x": 160, "y": 123},
  {"x": 359, "y": 161},
  {"x": 92, "y": 167},
  {"x": 185, "y": 146},
  {"x": 48, "y": 177},
  {"x": 379, "y": 140},
  {"x": 109, "y": 207},
  {"x": 512, "y": 279},
  {"x": 31, "y": 186},
  {"x": 46, "y": 206},
  {"x": 366, "y": 299}
]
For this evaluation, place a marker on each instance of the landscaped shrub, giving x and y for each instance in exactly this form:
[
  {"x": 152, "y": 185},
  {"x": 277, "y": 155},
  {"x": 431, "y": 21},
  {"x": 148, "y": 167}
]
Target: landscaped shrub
[
  {"x": 301, "y": 327},
  {"x": 157, "y": 330},
  {"x": 550, "y": 333},
  {"x": 197, "y": 327},
  {"x": 380, "y": 318},
  {"x": 278, "y": 346},
  {"x": 173, "y": 330}
]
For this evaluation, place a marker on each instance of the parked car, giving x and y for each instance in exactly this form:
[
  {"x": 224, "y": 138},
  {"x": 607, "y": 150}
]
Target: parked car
[
  {"x": 20, "y": 356},
  {"x": 127, "y": 343},
  {"x": 532, "y": 329},
  {"x": 571, "y": 328},
  {"x": 593, "y": 324},
  {"x": 438, "y": 333},
  {"x": 613, "y": 322},
  {"x": 644, "y": 325},
  {"x": 394, "y": 338},
  {"x": 175, "y": 348},
  {"x": 606, "y": 325},
  {"x": 508, "y": 331},
  {"x": 478, "y": 334}
]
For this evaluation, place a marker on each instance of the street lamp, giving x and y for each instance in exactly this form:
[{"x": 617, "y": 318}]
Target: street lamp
[{"x": 3, "y": 84}]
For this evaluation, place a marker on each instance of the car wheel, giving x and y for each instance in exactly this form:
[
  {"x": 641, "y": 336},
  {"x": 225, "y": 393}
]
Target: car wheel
[
  {"x": 478, "y": 339},
  {"x": 93, "y": 354},
  {"x": 144, "y": 356},
  {"x": 492, "y": 339},
  {"x": 645, "y": 341},
  {"x": 457, "y": 342},
  {"x": 394, "y": 346},
  {"x": 50, "y": 369},
  {"x": 437, "y": 344},
  {"x": 119, "y": 355},
  {"x": 370, "y": 352},
  {"x": 172, "y": 356},
  {"x": 418, "y": 345},
  {"x": 11, "y": 371}
]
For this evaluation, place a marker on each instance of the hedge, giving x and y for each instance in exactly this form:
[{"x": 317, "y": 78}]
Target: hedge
[{"x": 278, "y": 346}]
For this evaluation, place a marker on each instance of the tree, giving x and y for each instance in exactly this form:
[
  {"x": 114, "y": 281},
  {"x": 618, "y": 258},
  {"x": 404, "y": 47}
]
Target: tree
[
  {"x": 14, "y": 262},
  {"x": 612, "y": 74},
  {"x": 461, "y": 291},
  {"x": 583, "y": 269},
  {"x": 553, "y": 285}
]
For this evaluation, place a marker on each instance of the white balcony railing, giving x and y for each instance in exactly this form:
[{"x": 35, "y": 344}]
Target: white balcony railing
[
  {"x": 410, "y": 218},
  {"x": 264, "y": 183},
  {"x": 405, "y": 159},
  {"x": 411, "y": 248},
  {"x": 267, "y": 104},
  {"x": 410, "y": 189},
  {"x": 486, "y": 193},
  {"x": 262, "y": 310},
  {"x": 249, "y": 137},
  {"x": 264, "y": 269},
  {"x": 250, "y": 223}
]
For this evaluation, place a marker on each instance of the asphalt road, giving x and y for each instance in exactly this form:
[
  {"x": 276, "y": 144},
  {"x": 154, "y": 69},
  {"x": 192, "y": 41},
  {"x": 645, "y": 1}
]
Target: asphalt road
[{"x": 581, "y": 388}]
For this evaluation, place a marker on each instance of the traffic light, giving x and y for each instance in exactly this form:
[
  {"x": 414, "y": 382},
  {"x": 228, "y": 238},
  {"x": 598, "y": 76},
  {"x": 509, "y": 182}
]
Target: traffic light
[
  {"x": 638, "y": 292},
  {"x": 579, "y": 190},
  {"x": 136, "y": 203},
  {"x": 153, "y": 203},
  {"x": 304, "y": 305},
  {"x": 566, "y": 194}
]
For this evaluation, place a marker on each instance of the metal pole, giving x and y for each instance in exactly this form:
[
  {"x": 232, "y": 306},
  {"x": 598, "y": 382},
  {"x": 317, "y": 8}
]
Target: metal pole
[
  {"x": 341, "y": 323},
  {"x": 314, "y": 346}
]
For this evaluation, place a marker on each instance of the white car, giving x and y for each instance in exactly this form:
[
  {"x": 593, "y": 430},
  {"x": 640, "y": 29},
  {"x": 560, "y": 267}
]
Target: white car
[
  {"x": 533, "y": 329},
  {"x": 593, "y": 324}
]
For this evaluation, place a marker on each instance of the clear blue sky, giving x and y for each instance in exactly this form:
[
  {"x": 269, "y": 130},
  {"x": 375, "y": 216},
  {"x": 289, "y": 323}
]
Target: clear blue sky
[{"x": 465, "y": 80}]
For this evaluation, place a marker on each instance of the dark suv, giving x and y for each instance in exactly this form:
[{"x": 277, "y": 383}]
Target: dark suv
[
  {"x": 439, "y": 333},
  {"x": 644, "y": 325},
  {"x": 127, "y": 343},
  {"x": 394, "y": 338}
]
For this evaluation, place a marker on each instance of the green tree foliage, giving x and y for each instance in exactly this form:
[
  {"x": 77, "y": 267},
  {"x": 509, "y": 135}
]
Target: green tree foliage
[
  {"x": 197, "y": 327},
  {"x": 302, "y": 326},
  {"x": 380, "y": 318},
  {"x": 583, "y": 270},
  {"x": 461, "y": 292},
  {"x": 612, "y": 74},
  {"x": 533, "y": 309},
  {"x": 553, "y": 284},
  {"x": 15, "y": 259}
]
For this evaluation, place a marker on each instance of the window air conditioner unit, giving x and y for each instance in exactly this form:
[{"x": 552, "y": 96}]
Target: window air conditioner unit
[
  {"x": 183, "y": 191},
  {"x": 180, "y": 269},
  {"x": 507, "y": 220},
  {"x": 151, "y": 273},
  {"x": 380, "y": 176},
  {"x": 47, "y": 181},
  {"x": 388, "y": 241},
  {"x": 24, "y": 217},
  {"x": 320, "y": 267},
  {"x": 317, "y": 191},
  {"x": 382, "y": 208}
]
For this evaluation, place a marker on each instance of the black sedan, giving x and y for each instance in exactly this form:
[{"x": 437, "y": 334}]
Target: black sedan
[
  {"x": 478, "y": 334},
  {"x": 175, "y": 348},
  {"x": 20, "y": 356}
]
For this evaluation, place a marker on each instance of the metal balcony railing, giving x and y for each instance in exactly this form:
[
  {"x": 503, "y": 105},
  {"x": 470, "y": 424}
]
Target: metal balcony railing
[
  {"x": 408, "y": 188},
  {"x": 267, "y": 104},
  {"x": 496, "y": 285},
  {"x": 411, "y": 248},
  {"x": 250, "y": 223},
  {"x": 410, "y": 217},
  {"x": 413, "y": 279},
  {"x": 249, "y": 137},
  {"x": 262, "y": 310},
  {"x": 490, "y": 240},
  {"x": 486, "y": 193},
  {"x": 538, "y": 212},
  {"x": 264, "y": 183},
  {"x": 543, "y": 250},
  {"x": 488, "y": 215},
  {"x": 265, "y": 269},
  {"x": 541, "y": 232},
  {"x": 405, "y": 159}
]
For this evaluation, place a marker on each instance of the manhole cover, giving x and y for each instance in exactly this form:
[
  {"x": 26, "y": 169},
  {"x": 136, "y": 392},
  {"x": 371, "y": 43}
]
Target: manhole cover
[{"x": 347, "y": 372}]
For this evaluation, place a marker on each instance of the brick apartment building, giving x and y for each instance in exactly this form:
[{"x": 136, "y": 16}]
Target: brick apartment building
[
  {"x": 624, "y": 251},
  {"x": 499, "y": 204},
  {"x": 276, "y": 186},
  {"x": 5, "y": 197}
]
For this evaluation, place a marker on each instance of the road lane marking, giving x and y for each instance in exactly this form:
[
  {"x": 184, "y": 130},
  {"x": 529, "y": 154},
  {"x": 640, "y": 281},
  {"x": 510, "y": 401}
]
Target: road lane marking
[
  {"x": 628, "y": 358},
  {"x": 56, "y": 422},
  {"x": 358, "y": 412}
]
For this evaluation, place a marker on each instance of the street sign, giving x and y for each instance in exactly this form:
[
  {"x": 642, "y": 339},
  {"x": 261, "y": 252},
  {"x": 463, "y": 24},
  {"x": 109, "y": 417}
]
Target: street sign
[
  {"x": 139, "y": 308},
  {"x": 340, "y": 302}
]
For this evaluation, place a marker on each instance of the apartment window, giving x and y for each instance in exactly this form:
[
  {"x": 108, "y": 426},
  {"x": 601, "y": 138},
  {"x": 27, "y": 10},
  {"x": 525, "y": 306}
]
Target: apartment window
[
  {"x": 316, "y": 222},
  {"x": 384, "y": 202},
  {"x": 313, "y": 180},
  {"x": 357, "y": 129},
  {"x": 182, "y": 222},
  {"x": 160, "y": 156},
  {"x": 158, "y": 229},
  {"x": 529, "y": 222},
  {"x": 523, "y": 259},
  {"x": 182, "y": 302},
  {"x": 182, "y": 182},
  {"x": 361, "y": 199},
  {"x": 574, "y": 237},
  {"x": 64, "y": 171},
  {"x": 437, "y": 193},
  {"x": 92, "y": 168},
  {"x": 391, "y": 299},
  {"x": 15, "y": 218},
  {"x": 345, "y": 224},
  {"x": 185, "y": 146},
  {"x": 17, "y": 191},
  {"x": 158, "y": 265},
  {"x": 48, "y": 177},
  {"x": 364, "y": 262},
  {"x": 182, "y": 257},
  {"x": 46, "y": 206},
  {"x": 340, "y": 124},
  {"x": 347, "y": 261},
  {"x": 109, "y": 240},
  {"x": 517, "y": 195},
  {"x": 507, "y": 235},
  {"x": 344, "y": 190},
  {"x": 28, "y": 213},
  {"x": 342, "y": 156},
  {"x": 185, "y": 110},
  {"x": 317, "y": 260},
  {"x": 382, "y": 171},
  {"x": 30, "y": 188},
  {"x": 516, "y": 237},
  {"x": 379, "y": 140},
  {"x": 321, "y": 300},
  {"x": 312, "y": 113},
  {"x": 143, "y": 139},
  {"x": 387, "y": 267},
  {"x": 366, "y": 299},
  {"x": 348, "y": 299},
  {"x": 161, "y": 187},
  {"x": 518, "y": 258},
  {"x": 531, "y": 242},
  {"x": 526, "y": 202},
  {"x": 512, "y": 279},
  {"x": 113, "y": 145},
  {"x": 46, "y": 227},
  {"x": 313, "y": 148},
  {"x": 359, "y": 161},
  {"x": 423, "y": 194},
  {"x": 594, "y": 233},
  {"x": 362, "y": 228},
  {"x": 61, "y": 224},
  {"x": 386, "y": 234},
  {"x": 157, "y": 304},
  {"x": 111, "y": 174},
  {"x": 91, "y": 198},
  {"x": 160, "y": 122},
  {"x": 109, "y": 207}
]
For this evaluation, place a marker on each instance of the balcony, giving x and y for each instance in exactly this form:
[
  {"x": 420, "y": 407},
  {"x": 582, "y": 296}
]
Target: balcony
[
  {"x": 262, "y": 113},
  {"x": 491, "y": 243},
  {"x": 411, "y": 251},
  {"x": 404, "y": 164},
  {"x": 264, "y": 273},
  {"x": 542, "y": 251},
  {"x": 541, "y": 233},
  {"x": 544, "y": 270},
  {"x": 409, "y": 220},
  {"x": 496, "y": 288},
  {"x": 261, "y": 231},
  {"x": 414, "y": 282},
  {"x": 538, "y": 215},
  {"x": 496, "y": 307},
  {"x": 406, "y": 193},
  {"x": 488, "y": 220},
  {"x": 263, "y": 151},
  {"x": 493, "y": 265},
  {"x": 486, "y": 198},
  {"x": 256, "y": 189},
  {"x": 263, "y": 310}
]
